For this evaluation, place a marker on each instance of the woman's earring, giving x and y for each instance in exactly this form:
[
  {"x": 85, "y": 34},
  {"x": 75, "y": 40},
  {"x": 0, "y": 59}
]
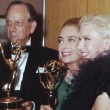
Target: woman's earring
[
  {"x": 106, "y": 47},
  {"x": 105, "y": 52}
]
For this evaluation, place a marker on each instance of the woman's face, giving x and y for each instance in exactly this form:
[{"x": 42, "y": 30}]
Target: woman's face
[
  {"x": 91, "y": 42},
  {"x": 68, "y": 42}
]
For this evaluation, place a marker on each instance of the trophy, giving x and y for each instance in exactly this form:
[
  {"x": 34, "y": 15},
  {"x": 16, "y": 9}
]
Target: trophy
[
  {"x": 52, "y": 70},
  {"x": 11, "y": 102}
]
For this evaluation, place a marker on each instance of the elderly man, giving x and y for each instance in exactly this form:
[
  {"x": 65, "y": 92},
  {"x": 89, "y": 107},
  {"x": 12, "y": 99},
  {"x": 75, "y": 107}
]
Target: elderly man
[{"x": 21, "y": 23}]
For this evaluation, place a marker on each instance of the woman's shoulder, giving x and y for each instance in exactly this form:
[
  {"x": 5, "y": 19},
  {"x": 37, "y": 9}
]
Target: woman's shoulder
[{"x": 102, "y": 102}]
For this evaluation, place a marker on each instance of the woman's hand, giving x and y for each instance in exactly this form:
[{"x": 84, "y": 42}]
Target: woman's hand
[
  {"x": 28, "y": 105},
  {"x": 45, "y": 107}
]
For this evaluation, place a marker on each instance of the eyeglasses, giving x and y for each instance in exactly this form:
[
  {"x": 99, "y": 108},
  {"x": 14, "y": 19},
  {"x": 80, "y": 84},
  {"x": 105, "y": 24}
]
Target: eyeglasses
[{"x": 17, "y": 23}]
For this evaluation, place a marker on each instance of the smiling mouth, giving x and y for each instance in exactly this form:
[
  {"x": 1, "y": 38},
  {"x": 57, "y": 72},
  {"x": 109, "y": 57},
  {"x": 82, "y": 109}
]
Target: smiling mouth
[
  {"x": 84, "y": 54},
  {"x": 66, "y": 54}
]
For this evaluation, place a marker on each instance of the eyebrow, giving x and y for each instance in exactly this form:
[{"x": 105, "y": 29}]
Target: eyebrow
[
  {"x": 60, "y": 37},
  {"x": 68, "y": 37},
  {"x": 85, "y": 36},
  {"x": 73, "y": 37}
]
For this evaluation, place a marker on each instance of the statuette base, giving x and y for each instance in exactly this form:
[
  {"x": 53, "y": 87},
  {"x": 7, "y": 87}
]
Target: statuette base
[{"x": 10, "y": 103}]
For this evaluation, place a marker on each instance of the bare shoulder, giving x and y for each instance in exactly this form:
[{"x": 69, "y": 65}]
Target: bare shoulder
[{"x": 102, "y": 102}]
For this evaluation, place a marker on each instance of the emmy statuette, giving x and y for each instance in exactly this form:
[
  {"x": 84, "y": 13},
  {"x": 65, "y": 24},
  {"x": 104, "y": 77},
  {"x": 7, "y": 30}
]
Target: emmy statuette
[
  {"x": 10, "y": 102},
  {"x": 52, "y": 70}
]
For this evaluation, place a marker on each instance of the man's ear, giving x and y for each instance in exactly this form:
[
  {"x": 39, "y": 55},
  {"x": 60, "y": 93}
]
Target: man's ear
[
  {"x": 33, "y": 26},
  {"x": 107, "y": 43}
]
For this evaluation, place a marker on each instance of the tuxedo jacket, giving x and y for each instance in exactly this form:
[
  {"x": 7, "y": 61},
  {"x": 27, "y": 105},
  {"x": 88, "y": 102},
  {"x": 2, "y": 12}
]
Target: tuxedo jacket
[{"x": 31, "y": 88}]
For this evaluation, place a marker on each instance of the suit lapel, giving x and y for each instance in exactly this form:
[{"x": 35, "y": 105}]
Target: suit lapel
[
  {"x": 30, "y": 69},
  {"x": 7, "y": 50}
]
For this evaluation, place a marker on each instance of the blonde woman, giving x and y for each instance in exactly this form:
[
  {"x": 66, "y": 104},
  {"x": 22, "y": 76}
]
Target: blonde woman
[{"x": 92, "y": 86}]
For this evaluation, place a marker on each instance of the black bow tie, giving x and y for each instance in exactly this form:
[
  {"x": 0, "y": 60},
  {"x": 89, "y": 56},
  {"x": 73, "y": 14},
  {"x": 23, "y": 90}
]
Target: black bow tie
[{"x": 25, "y": 49}]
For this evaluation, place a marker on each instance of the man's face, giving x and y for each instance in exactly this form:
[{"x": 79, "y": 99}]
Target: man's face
[
  {"x": 92, "y": 43},
  {"x": 18, "y": 26}
]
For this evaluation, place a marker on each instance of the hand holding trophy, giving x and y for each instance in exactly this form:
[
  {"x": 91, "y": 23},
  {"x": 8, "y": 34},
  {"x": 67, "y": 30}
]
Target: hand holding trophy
[
  {"x": 52, "y": 70},
  {"x": 9, "y": 102}
]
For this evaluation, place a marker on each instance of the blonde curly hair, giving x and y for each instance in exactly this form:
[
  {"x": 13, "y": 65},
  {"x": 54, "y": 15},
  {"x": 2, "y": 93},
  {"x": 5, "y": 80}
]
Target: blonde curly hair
[{"x": 102, "y": 23}]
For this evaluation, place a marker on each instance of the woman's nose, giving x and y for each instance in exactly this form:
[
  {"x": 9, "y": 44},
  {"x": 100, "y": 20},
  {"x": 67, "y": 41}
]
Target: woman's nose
[
  {"x": 65, "y": 45},
  {"x": 81, "y": 45}
]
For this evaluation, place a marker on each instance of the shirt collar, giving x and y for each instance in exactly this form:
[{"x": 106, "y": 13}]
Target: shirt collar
[{"x": 29, "y": 42}]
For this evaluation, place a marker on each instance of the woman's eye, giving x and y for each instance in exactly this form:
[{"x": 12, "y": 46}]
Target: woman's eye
[
  {"x": 71, "y": 40},
  {"x": 86, "y": 39},
  {"x": 79, "y": 39},
  {"x": 60, "y": 41}
]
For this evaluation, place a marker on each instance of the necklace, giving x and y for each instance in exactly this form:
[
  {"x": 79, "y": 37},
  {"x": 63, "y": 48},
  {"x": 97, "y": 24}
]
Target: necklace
[{"x": 68, "y": 78}]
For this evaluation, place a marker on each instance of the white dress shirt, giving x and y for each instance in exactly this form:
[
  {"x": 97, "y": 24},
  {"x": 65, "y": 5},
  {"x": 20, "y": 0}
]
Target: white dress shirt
[{"x": 21, "y": 63}]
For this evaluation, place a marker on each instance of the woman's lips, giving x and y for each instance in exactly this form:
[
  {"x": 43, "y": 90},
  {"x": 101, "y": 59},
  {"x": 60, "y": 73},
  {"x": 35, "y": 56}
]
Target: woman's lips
[{"x": 66, "y": 54}]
